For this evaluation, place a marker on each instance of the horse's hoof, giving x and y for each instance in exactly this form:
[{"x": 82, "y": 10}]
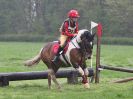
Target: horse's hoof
[
  {"x": 60, "y": 89},
  {"x": 87, "y": 85},
  {"x": 49, "y": 88}
]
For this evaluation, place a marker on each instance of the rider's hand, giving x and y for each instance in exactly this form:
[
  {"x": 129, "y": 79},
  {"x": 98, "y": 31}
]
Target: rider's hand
[{"x": 75, "y": 34}]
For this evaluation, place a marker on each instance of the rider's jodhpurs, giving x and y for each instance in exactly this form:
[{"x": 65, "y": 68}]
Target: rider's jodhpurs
[{"x": 63, "y": 39}]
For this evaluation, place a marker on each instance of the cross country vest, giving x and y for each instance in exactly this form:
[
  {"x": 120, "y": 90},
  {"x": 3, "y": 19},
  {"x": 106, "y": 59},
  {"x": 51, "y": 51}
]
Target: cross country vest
[{"x": 70, "y": 28}]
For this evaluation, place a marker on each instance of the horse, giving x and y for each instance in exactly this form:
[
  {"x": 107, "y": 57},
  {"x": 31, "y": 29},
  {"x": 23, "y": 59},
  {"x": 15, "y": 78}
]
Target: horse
[{"x": 75, "y": 54}]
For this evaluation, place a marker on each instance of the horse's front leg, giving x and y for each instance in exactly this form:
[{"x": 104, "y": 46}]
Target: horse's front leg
[
  {"x": 84, "y": 75},
  {"x": 87, "y": 85}
]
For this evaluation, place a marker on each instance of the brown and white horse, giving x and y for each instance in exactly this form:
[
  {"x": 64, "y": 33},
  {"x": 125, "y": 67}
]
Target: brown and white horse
[{"x": 75, "y": 54}]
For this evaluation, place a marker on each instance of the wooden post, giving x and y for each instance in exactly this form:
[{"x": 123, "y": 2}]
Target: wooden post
[
  {"x": 97, "y": 61},
  {"x": 4, "y": 81},
  {"x": 123, "y": 80},
  {"x": 99, "y": 33},
  {"x": 72, "y": 78},
  {"x": 128, "y": 70}
]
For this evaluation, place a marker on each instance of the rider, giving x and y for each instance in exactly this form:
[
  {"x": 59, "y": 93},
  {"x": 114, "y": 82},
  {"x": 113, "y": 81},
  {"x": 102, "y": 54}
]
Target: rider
[{"x": 68, "y": 29}]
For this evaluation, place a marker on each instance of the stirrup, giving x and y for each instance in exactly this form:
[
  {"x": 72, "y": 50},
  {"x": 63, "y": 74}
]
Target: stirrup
[{"x": 55, "y": 59}]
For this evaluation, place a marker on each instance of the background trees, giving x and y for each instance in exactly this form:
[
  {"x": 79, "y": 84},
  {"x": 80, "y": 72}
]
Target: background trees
[{"x": 34, "y": 18}]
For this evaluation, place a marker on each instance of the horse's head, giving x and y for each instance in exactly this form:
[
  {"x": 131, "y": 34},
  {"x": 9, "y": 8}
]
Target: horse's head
[{"x": 85, "y": 39}]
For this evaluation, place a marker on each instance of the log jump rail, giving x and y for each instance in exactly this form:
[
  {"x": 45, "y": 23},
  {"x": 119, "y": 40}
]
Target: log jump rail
[
  {"x": 116, "y": 68},
  {"x": 71, "y": 75},
  {"x": 123, "y": 80}
]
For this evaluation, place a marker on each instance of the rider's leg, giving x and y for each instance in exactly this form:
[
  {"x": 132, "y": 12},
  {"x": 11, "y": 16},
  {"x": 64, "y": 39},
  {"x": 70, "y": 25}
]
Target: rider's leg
[
  {"x": 63, "y": 39},
  {"x": 57, "y": 54}
]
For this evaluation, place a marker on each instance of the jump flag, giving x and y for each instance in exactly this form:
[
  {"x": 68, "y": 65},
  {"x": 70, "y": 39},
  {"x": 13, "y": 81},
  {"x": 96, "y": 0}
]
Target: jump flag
[
  {"x": 99, "y": 30},
  {"x": 93, "y": 24}
]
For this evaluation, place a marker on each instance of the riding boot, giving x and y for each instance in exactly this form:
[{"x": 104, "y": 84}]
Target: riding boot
[{"x": 58, "y": 54}]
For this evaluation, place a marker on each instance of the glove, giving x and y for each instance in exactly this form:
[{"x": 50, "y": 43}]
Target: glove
[{"x": 75, "y": 34}]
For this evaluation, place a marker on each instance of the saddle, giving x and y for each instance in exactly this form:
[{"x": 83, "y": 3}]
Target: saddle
[{"x": 56, "y": 46}]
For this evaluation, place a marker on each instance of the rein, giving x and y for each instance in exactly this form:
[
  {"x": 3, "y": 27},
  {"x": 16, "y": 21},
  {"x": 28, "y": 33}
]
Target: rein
[{"x": 76, "y": 41}]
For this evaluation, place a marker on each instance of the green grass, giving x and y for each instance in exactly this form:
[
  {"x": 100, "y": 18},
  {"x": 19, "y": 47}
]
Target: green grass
[
  {"x": 13, "y": 54},
  {"x": 38, "y": 90},
  {"x": 117, "y": 55}
]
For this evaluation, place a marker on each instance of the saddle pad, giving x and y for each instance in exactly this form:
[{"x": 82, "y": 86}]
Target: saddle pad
[{"x": 56, "y": 46}]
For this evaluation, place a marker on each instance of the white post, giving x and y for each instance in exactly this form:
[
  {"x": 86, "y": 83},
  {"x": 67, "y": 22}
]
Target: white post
[
  {"x": 93, "y": 25},
  {"x": 92, "y": 54}
]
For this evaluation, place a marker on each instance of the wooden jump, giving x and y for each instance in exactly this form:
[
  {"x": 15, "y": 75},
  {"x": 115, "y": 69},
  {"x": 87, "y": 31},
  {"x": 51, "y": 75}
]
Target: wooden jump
[
  {"x": 123, "y": 80},
  {"x": 71, "y": 74},
  {"x": 117, "y": 68},
  {"x": 99, "y": 66}
]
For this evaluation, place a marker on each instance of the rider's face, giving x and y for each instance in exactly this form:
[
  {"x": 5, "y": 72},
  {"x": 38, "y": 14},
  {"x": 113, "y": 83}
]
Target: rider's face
[{"x": 74, "y": 19}]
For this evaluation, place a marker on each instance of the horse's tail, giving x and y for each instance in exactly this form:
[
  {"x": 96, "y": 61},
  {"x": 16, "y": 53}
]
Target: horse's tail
[{"x": 34, "y": 60}]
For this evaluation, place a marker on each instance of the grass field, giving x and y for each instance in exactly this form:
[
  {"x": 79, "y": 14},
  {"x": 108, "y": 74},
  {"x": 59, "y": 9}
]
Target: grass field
[{"x": 13, "y": 54}]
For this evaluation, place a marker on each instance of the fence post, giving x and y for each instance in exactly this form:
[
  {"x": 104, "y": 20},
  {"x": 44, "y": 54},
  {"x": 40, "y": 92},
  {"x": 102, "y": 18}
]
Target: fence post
[
  {"x": 4, "y": 81},
  {"x": 72, "y": 78},
  {"x": 99, "y": 34}
]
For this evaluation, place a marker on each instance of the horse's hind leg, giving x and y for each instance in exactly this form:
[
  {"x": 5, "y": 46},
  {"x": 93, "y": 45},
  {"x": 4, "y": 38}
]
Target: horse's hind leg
[
  {"x": 49, "y": 79},
  {"x": 53, "y": 77}
]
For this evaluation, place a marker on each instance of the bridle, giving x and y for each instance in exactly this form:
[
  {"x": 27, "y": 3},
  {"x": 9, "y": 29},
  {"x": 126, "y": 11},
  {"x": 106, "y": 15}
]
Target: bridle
[{"x": 86, "y": 47}]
